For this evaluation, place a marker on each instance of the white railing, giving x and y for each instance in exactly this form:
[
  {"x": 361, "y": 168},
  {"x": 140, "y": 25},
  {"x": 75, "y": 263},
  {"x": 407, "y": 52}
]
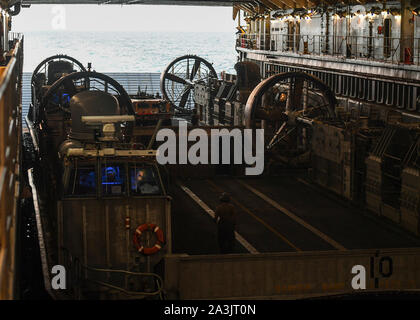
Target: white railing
[{"x": 384, "y": 49}]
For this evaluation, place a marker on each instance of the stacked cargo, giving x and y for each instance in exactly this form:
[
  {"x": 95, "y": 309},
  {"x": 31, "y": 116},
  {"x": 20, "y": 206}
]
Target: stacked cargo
[
  {"x": 332, "y": 158},
  {"x": 238, "y": 113},
  {"x": 392, "y": 183},
  {"x": 219, "y": 103},
  {"x": 223, "y": 103},
  {"x": 374, "y": 175},
  {"x": 203, "y": 103}
]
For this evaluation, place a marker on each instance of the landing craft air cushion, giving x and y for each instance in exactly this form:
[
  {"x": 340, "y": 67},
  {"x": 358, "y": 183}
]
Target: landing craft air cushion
[{"x": 101, "y": 202}]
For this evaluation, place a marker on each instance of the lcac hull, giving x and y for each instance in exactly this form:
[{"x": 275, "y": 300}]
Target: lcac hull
[
  {"x": 100, "y": 239},
  {"x": 101, "y": 236},
  {"x": 102, "y": 209}
]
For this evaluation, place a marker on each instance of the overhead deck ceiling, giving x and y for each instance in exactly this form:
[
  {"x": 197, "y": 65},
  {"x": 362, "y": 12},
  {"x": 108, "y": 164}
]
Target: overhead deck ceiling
[
  {"x": 254, "y": 7},
  {"x": 223, "y": 3},
  {"x": 263, "y": 6},
  {"x": 246, "y": 5}
]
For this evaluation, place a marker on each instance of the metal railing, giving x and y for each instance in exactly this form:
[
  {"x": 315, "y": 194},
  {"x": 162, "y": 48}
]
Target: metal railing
[{"x": 379, "y": 48}]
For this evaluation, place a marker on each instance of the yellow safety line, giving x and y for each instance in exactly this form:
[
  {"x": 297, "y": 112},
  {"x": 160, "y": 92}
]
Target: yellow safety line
[
  {"x": 278, "y": 234},
  {"x": 320, "y": 234},
  {"x": 210, "y": 212}
]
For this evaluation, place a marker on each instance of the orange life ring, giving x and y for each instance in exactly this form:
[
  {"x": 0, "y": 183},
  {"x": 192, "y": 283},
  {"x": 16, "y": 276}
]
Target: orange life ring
[{"x": 159, "y": 235}]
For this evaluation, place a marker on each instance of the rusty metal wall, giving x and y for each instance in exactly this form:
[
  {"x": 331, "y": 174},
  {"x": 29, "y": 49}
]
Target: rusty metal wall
[
  {"x": 288, "y": 275},
  {"x": 10, "y": 141}
]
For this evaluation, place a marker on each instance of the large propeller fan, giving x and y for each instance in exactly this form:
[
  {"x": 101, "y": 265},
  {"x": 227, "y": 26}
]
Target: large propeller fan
[
  {"x": 285, "y": 106},
  {"x": 178, "y": 80},
  {"x": 50, "y": 70}
]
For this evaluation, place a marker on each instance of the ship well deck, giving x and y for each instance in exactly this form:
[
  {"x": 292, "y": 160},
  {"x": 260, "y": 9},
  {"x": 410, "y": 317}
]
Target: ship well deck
[
  {"x": 292, "y": 240},
  {"x": 278, "y": 214}
]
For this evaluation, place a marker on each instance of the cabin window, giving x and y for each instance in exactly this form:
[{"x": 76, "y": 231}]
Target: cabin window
[
  {"x": 113, "y": 179},
  {"x": 82, "y": 181},
  {"x": 61, "y": 99},
  {"x": 144, "y": 181}
]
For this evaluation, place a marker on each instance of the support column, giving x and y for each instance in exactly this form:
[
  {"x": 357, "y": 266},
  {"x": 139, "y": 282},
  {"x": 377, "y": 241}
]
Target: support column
[
  {"x": 407, "y": 33},
  {"x": 267, "y": 38}
]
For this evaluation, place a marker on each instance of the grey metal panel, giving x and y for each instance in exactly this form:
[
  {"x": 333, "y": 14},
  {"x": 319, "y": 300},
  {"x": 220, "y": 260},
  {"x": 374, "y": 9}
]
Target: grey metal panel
[
  {"x": 282, "y": 275},
  {"x": 72, "y": 239},
  {"x": 406, "y": 97},
  {"x": 26, "y": 94},
  {"x": 132, "y": 81},
  {"x": 371, "y": 90},
  {"x": 85, "y": 228},
  {"x": 412, "y": 97}
]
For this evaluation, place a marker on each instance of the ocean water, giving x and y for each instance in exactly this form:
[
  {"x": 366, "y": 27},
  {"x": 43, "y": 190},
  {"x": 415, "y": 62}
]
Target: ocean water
[{"x": 130, "y": 51}]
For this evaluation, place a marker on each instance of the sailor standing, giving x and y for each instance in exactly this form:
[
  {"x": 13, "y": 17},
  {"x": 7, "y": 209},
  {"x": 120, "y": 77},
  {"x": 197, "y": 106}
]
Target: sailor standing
[{"x": 225, "y": 217}]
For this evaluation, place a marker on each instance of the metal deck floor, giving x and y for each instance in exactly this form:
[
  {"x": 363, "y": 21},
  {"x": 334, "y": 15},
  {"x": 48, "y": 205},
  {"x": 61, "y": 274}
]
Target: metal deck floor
[{"x": 279, "y": 214}]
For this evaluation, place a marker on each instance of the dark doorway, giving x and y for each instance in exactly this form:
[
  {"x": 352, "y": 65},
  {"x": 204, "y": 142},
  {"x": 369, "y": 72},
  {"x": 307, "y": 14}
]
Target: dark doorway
[{"x": 387, "y": 37}]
